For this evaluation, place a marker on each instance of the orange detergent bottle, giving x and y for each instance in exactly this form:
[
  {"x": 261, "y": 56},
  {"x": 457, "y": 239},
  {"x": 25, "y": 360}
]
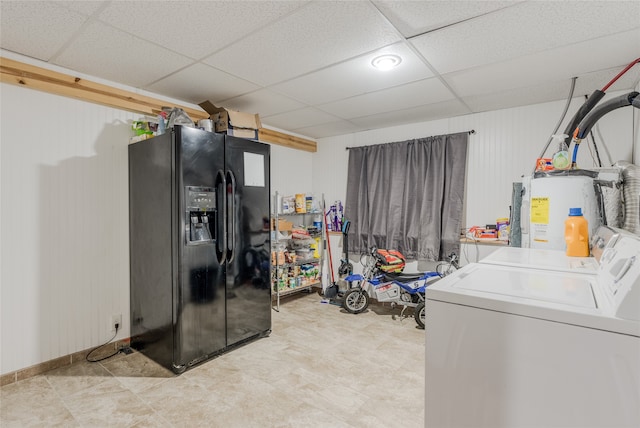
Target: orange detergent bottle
[{"x": 576, "y": 234}]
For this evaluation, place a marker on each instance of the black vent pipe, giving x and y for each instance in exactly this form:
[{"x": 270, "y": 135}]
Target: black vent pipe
[
  {"x": 621, "y": 101},
  {"x": 588, "y": 105}
]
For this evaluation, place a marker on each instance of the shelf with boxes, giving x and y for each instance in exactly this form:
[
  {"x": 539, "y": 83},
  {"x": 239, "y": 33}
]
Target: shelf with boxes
[{"x": 296, "y": 250}]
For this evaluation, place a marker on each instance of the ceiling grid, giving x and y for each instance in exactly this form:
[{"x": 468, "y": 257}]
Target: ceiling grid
[{"x": 305, "y": 66}]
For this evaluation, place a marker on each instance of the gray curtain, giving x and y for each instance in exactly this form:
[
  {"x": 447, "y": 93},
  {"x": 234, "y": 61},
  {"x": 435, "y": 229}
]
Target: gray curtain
[{"x": 408, "y": 196}]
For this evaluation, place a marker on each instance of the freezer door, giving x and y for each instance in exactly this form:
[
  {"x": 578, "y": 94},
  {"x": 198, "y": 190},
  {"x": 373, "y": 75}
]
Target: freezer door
[
  {"x": 199, "y": 295},
  {"x": 150, "y": 247},
  {"x": 248, "y": 245}
]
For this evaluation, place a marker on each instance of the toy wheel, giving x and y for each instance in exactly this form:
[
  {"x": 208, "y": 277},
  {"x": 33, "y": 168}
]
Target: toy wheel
[
  {"x": 356, "y": 300},
  {"x": 419, "y": 314}
]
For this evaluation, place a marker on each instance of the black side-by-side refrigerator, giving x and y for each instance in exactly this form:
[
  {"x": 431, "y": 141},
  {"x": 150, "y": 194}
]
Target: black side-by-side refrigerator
[{"x": 199, "y": 245}]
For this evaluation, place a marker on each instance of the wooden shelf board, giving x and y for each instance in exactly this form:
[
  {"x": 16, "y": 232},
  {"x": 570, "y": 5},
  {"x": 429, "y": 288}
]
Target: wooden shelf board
[{"x": 288, "y": 290}]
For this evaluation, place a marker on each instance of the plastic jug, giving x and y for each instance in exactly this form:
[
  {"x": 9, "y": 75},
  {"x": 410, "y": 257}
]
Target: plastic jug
[
  {"x": 576, "y": 234},
  {"x": 561, "y": 159}
]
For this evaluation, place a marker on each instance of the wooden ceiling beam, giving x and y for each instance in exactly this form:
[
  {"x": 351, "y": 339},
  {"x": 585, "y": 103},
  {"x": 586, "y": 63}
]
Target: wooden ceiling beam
[
  {"x": 30, "y": 76},
  {"x": 286, "y": 140},
  {"x": 33, "y": 77}
]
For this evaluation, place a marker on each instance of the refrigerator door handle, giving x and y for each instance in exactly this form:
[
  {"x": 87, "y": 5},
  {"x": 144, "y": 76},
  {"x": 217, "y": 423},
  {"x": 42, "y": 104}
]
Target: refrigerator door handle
[
  {"x": 231, "y": 216},
  {"x": 221, "y": 220}
]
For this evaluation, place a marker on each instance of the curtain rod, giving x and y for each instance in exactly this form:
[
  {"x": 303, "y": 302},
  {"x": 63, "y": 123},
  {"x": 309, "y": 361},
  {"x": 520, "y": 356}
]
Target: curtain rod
[{"x": 473, "y": 131}]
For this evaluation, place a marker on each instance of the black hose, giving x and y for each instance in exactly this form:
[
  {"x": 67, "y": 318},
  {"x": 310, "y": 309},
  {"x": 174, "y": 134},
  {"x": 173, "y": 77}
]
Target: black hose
[
  {"x": 587, "y": 123},
  {"x": 588, "y": 105}
]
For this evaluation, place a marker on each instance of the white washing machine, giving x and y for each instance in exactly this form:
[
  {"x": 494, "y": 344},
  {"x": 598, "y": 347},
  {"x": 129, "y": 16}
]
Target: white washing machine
[
  {"x": 515, "y": 346},
  {"x": 537, "y": 258}
]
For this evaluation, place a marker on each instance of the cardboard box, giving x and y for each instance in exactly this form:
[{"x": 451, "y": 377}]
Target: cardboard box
[
  {"x": 283, "y": 225},
  {"x": 482, "y": 233},
  {"x": 231, "y": 122},
  {"x": 544, "y": 164}
]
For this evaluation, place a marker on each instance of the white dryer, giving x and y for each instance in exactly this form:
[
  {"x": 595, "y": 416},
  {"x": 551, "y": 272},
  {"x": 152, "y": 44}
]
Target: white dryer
[{"x": 515, "y": 346}]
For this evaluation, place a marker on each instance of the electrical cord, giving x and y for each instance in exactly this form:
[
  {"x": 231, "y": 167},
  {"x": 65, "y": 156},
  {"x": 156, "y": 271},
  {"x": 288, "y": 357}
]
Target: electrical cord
[
  {"x": 596, "y": 159},
  {"x": 604, "y": 146},
  {"x": 595, "y": 148},
  {"x": 106, "y": 343},
  {"x": 590, "y": 142},
  {"x": 465, "y": 253}
]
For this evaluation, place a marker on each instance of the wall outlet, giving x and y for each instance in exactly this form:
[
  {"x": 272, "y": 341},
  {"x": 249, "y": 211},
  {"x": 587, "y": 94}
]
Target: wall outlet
[{"x": 113, "y": 320}]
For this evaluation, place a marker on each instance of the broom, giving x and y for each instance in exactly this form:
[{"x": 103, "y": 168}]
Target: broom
[{"x": 332, "y": 289}]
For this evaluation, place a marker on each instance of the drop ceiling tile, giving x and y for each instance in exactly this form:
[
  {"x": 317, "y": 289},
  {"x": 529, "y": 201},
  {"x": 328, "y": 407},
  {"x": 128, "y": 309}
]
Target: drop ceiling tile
[
  {"x": 300, "y": 118},
  {"x": 200, "y": 82},
  {"x": 332, "y": 129},
  {"x": 553, "y": 91},
  {"x": 589, "y": 82},
  {"x": 194, "y": 28},
  {"x": 355, "y": 76},
  {"x": 317, "y": 35},
  {"x": 114, "y": 55},
  {"x": 22, "y": 30},
  {"x": 422, "y": 113},
  {"x": 539, "y": 44},
  {"x": 524, "y": 29},
  {"x": 553, "y": 65},
  {"x": 417, "y": 17},
  {"x": 427, "y": 91},
  {"x": 264, "y": 101},
  {"x": 84, "y": 7},
  {"x": 535, "y": 94}
]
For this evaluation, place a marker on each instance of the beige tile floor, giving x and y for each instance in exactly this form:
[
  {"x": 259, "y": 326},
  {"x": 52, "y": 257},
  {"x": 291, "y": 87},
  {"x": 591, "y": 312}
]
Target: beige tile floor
[{"x": 321, "y": 367}]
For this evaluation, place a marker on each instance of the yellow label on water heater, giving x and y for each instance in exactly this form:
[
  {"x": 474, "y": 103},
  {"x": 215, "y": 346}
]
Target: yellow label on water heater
[{"x": 540, "y": 210}]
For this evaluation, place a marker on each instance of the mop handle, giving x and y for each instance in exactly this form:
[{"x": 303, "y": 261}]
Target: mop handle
[{"x": 326, "y": 229}]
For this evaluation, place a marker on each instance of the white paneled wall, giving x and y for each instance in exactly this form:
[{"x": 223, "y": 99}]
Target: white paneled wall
[
  {"x": 504, "y": 147},
  {"x": 65, "y": 259},
  {"x": 65, "y": 224},
  {"x": 290, "y": 171}
]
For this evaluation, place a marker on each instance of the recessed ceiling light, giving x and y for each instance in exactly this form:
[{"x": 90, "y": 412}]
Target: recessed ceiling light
[{"x": 386, "y": 62}]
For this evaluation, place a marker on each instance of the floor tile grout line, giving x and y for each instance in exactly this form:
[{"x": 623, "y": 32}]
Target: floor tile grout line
[
  {"x": 322, "y": 341},
  {"x": 61, "y": 398}
]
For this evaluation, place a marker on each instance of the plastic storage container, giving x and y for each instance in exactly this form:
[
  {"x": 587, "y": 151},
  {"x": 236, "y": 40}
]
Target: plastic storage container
[{"x": 576, "y": 234}]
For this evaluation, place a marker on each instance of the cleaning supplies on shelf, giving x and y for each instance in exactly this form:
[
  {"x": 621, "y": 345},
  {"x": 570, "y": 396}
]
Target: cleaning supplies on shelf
[
  {"x": 502, "y": 226},
  {"x": 301, "y": 206},
  {"x": 335, "y": 216}
]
